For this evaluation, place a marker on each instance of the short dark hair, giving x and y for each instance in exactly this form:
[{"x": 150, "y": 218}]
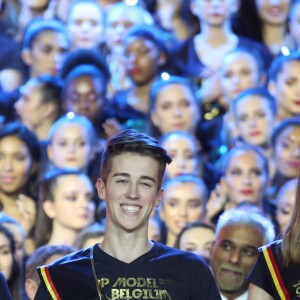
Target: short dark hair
[
  {"x": 260, "y": 92},
  {"x": 289, "y": 122},
  {"x": 90, "y": 71},
  {"x": 279, "y": 62},
  {"x": 40, "y": 256},
  {"x": 85, "y": 57},
  {"x": 51, "y": 91},
  {"x": 132, "y": 141}
]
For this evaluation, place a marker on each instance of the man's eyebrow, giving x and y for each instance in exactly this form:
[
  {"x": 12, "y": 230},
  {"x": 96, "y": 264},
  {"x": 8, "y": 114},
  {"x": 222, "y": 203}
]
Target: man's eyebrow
[
  {"x": 121, "y": 174},
  {"x": 144, "y": 177},
  {"x": 148, "y": 178}
]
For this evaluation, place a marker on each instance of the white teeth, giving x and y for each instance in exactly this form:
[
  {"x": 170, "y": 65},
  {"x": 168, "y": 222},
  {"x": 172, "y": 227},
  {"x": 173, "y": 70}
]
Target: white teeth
[{"x": 130, "y": 208}]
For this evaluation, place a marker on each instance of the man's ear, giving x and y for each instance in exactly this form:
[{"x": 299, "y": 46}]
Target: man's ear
[
  {"x": 31, "y": 288},
  {"x": 158, "y": 198},
  {"x": 101, "y": 189},
  {"x": 48, "y": 208},
  {"x": 26, "y": 56},
  {"x": 162, "y": 59},
  {"x": 49, "y": 109},
  {"x": 211, "y": 250}
]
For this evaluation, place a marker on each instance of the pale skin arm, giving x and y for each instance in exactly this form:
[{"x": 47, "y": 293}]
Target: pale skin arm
[
  {"x": 257, "y": 293},
  {"x": 10, "y": 79}
]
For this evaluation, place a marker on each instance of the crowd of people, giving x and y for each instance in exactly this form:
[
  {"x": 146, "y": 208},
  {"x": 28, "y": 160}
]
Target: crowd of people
[{"x": 216, "y": 82}]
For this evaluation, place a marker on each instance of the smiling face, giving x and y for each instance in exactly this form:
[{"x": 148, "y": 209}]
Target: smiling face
[
  {"x": 246, "y": 178},
  {"x": 175, "y": 109},
  {"x": 85, "y": 26},
  {"x": 239, "y": 71},
  {"x": 254, "y": 119},
  {"x": 182, "y": 204},
  {"x": 273, "y": 12},
  {"x": 15, "y": 165},
  {"x": 131, "y": 190},
  {"x": 287, "y": 152},
  {"x": 73, "y": 206},
  {"x": 70, "y": 147},
  {"x": 233, "y": 256}
]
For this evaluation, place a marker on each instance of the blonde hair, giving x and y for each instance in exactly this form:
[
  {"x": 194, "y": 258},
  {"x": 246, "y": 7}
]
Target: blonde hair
[{"x": 291, "y": 236}]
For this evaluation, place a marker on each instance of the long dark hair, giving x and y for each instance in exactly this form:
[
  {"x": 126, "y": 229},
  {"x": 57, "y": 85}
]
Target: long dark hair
[{"x": 14, "y": 280}]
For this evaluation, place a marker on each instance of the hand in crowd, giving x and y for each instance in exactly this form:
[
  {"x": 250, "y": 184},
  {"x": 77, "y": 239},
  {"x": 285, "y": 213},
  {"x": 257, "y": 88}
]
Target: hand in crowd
[
  {"x": 111, "y": 127},
  {"x": 27, "y": 210},
  {"x": 218, "y": 200},
  {"x": 211, "y": 87}
]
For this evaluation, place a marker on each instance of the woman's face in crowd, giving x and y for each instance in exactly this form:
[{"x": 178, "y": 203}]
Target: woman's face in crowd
[
  {"x": 239, "y": 72},
  {"x": 15, "y": 165},
  {"x": 286, "y": 89},
  {"x": 70, "y": 147},
  {"x": 273, "y": 12},
  {"x": 182, "y": 204},
  {"x": 47, "y": 53},
  {"x": 141, "y": 59},
  {"x": 184, "y": 155},
  {"x": 175, "y": 109},
  {"x": 213, "y": 13},
  {"x": 246, "y": 178},
  {"x": 197, "y": 240},
  {"x": 19, "y": 237},
  {"x": 287, "y": 152},
  {"x": 85, "y": 97},
  {"x": 73, "y": 206},
  {"x": 254, "y": 119},
  {"x": 85, "y": 26},
  {"x": 285, "y": 204},
  {"x": 117, "y": 24},
  {"x": 6, "y": 257}
]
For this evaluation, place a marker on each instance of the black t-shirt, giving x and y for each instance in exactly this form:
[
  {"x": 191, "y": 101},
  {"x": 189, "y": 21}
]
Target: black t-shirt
[
  {"x": 288, "y": 279},
  {"x": 161, "y": 273}
]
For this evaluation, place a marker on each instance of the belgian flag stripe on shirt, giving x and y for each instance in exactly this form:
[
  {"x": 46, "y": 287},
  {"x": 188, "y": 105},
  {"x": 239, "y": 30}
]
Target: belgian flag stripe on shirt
[
  {"x": 278, "y": 282},
  {"x": 49, "y": 284}
]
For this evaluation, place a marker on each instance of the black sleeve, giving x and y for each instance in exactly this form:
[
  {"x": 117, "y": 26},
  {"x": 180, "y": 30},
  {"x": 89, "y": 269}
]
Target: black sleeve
[
  {"x": 203, "y": 283},
  {"x": 4, "y": 292},
  {"x": 260, "y": 275},
  {"x": 42, "y": 293}
]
